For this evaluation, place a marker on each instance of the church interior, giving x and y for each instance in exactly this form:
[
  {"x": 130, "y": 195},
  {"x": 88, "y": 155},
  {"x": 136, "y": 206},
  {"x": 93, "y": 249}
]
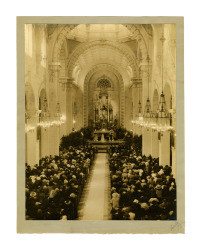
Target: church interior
[{"x": 100, "y": 121}]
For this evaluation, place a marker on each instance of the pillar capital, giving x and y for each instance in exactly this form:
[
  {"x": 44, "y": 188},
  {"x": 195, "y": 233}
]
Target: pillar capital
[
  {"x": 54, "y": 69},
  {"x": 145, "y": 66},
  {"x": 33, "y": 113},
  {"x": 55, "y": 65},
  {"x": 145, "y": 70},
  {"x": 136, "y": 82},
  {"x": 66, "y": 83},
  {"x": 69, "y": 82}
]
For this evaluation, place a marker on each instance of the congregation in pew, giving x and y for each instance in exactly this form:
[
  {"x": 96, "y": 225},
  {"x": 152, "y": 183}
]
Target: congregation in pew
[
  {"x": 141, "y": 189},
  {"x": 54, "y": 187}
]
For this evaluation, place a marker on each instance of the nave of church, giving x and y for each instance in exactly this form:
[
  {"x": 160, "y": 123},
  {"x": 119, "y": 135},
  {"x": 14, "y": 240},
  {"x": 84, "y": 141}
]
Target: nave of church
[{"x": 100, "y": 121}]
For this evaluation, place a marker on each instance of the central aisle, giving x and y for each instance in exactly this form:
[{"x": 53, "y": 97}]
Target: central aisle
[{"x": 96, "y": 195}]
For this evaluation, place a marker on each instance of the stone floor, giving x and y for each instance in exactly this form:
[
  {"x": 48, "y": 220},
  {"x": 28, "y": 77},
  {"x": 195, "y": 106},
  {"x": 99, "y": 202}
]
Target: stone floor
[{"x": 95, "y": 201}]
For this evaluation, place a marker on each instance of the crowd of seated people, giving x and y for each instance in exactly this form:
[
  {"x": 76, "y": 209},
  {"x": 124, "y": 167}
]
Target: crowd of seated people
[
  {"x": 141, "y": 189},
  {"x": 54, "y": 187}
]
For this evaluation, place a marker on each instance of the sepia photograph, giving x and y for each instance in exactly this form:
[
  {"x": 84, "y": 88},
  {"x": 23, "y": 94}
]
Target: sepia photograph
[{"x": 100, "y": 123}]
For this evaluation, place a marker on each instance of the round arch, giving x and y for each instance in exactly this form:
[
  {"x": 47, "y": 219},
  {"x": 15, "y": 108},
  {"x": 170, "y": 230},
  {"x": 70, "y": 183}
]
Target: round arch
[
  {"x": 84, "y": 47},
  {"x": 105, "y": 67},
  {"x": 136, "y": 31}
]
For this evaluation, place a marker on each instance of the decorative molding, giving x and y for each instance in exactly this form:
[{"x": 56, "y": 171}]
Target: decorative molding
[
  {"x": 29, "y": 114},
  {"x": 123, "y": 49},
  {"x": 54, "y": 69},
  {"x": 135, "y": 29},
  {"x": 136, "y": 82},
  {"x": 67, "y": 83}
]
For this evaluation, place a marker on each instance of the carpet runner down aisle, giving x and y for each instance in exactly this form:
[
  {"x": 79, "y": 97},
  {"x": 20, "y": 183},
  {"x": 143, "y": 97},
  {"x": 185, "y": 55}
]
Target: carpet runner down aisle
[{"x": 95, "y": 203}]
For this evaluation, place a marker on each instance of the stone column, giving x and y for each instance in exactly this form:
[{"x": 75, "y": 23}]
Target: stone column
[
  {"x": 174, "y": 158},
  {"x": 44, "y": 142},
  {"x": 164, "y": 148},
  {"x": 154, "y": 144},
  {"x": 32, "y": 146},
  {"x": 53, "y": 131},
  {"x": 69, "y": 105},
  {"x": 138, "y": 129},
  {"x": 174, "y": 162},
  {"x": 132, "y": 111},
  {"x": 135, "y": 129},
  {"x": 62, "y": 89},
  {"x": 136, "y": 87},
  {"x": 54, "y": 141},
  {"x": 146, "y": 141},
  {"x": 122, "y": 107},
  {"x": 85, "y": 105}
]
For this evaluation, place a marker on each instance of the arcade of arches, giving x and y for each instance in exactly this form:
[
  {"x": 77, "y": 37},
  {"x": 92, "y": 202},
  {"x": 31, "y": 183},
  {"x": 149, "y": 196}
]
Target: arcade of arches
[{"x": 100, "y": 75}]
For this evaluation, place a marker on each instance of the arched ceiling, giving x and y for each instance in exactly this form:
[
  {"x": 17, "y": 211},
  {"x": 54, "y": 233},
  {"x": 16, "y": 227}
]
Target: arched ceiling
[
  {"x": 89, "y": 54},
  {"x": 109, "y": 69},
  {"x": 101, "y": 44},
  {"x": 92, "y": 32},
  {"x": 100, "y": 47},
  {"x": 104, "y": 74},
  {"x": 99, "y": 55},
  {"x": 113, "y": 32}
]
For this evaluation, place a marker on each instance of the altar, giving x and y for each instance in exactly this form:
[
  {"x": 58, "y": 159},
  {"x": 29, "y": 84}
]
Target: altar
[
  {"x": 104, "y": 118},
  {"x": 103, "y": 140},
  {"x": 103, "y": 135}
]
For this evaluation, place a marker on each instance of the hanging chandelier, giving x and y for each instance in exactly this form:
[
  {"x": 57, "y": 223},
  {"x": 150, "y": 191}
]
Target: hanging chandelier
[
  {"x": 139, "y": 120},
  {"x": 44, "y": 116},
  {"x": 147, "y": 113},
  {"x": 139, "y": 103},
  {"x": 162, "y": 107},
  {"x": 162, "y": 104},
  {"x": 44, "y": 120},
  {"x": 139, "y": 109},
  {"x": 28, "y": 127},
  {"x": 58, "y": 116}
]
